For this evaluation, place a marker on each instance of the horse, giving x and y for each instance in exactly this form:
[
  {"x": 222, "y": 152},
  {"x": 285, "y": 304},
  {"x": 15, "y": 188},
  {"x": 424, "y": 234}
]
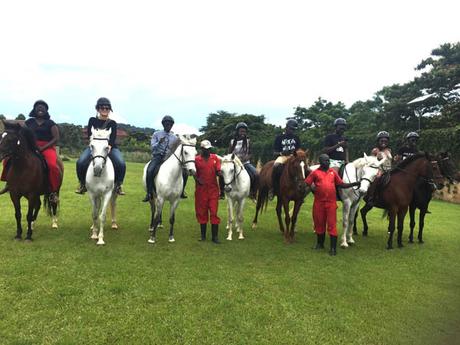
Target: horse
[
  {"x": 26, "y": 176},
  {"x": 236, "y": 185},
  {"x": 169, "y": 181},
  {"x": 100, "y": 183},
  {"x": 398, "y": 194},
  {"x": 292, "y": 188},
  {"x": 422, "y": 195}
]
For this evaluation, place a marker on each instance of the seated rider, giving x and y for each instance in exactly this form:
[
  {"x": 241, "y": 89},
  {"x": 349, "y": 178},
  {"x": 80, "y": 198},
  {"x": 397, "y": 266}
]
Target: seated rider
[
  {"x": 240, "y": 145},
  {"x": 409, "y": 149},
  {"x": 381, "y": 151},
  {"x": 285, "y": 145},
  {"x": 161, "y": 144},
  {"x": 102, "y": 121},
  {"x": 335, "y": 145}
]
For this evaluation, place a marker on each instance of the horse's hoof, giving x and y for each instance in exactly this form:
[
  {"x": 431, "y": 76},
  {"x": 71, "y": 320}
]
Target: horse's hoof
[
  {"x": 94, "y": 237},
  {"x": 114, "y": 226},
  {"x": 171, "y": 240},
  {"x": 411, "y": 241},
  {"x": 421, "y": 242},
  {"x": 400, "y": 245},
  {"x": 160, "y": 226},
  {"x": 344, "y": 245},
  {"x": 389, "y": 247},
  {"x": 54, "y": 226},
  {"x": 18, "y": 238},
  {"x": 100, "y": 243},
  {"x": 28, "y": 240},
  {"x": 254, "y": 226},
  {"x": 350, "y": 243},
  {"x": 229, "y": 238},
  {"x": 241, "y": 238},
  {"x": 151, "y": 240},
  {"x": 364, "y": 234}
]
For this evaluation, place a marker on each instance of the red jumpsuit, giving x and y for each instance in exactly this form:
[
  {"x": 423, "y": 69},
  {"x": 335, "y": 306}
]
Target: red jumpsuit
[
  {"x": 207, "y": 194},
  {"x": 324, "y": 205}
]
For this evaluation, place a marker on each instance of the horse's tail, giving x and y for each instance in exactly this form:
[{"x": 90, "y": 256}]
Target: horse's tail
[{"x": 262, "y": 198}]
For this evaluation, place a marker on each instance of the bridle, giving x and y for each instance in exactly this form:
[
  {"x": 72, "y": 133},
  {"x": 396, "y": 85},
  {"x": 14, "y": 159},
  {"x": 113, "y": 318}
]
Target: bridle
[
  {"x": 182, "y": 160},
  {"x": 93, "y": 157},
  {"x": 361, "y": 179},
  {"x": 429, "y": 181},
  {"x": 235, "y": 174}
]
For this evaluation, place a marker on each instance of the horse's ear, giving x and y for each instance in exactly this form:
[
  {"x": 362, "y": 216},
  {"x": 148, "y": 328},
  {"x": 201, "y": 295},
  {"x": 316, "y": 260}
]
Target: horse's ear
[
  {"x": 193, "y": 136},
  {"x": 233, "y": 156},
  {"x": 295, "y": 154},
  {"x": 110, "y": 131}
]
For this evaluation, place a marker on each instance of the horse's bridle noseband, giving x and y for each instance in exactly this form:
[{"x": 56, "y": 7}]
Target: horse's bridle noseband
[
  {"x": 181, "y": 160},
  {"x": 99, "y": 156},
  {"x": 235, "y": 174}
]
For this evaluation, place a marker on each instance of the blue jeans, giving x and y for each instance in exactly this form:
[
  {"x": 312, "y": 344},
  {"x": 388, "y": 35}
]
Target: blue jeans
[
  {"x": 152, "y": 171},
  {"x": 115, "y": 156}
]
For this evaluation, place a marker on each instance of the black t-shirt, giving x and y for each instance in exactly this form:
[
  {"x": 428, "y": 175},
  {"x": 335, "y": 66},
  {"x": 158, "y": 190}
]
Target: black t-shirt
[
  {"x": 42, "y": 132},
  {"x": 406, "y": 152},
  {"x": 286, "y": 143},
  {"x": 98, "y": 124},
  {"x": 339, "y": 152}
]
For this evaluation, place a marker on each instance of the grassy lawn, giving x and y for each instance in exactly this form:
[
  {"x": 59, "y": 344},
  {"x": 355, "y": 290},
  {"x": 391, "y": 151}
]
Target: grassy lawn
[{"x": 63, "y": 289}]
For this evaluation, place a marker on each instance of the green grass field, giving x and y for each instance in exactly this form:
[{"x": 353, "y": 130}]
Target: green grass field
[{"x": 63, "y": 289}]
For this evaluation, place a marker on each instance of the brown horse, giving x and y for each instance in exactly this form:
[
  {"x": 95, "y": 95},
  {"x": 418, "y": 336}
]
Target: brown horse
[
  {"x": 292, "y": 188},
  {"x": 26, "y": 174},
  {"x": 398, "y": 194}
]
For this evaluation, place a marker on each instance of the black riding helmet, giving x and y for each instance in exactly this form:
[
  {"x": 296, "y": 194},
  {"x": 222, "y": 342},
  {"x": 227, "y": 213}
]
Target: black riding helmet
[
  {"x": 241, "y": 125},
  {"x": 103, "y": 101},
  {"x": 412, "y": 135},
  {"x": 39, "y": 102},
  {"x": 291, "y": 123},
  {"x": 383, "y": 134},
  {"x": 167, "y": 118},
  {"x": 340, "y": 121}
]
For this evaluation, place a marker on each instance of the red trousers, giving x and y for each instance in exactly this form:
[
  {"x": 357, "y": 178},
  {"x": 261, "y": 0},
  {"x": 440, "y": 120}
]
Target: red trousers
[
  {"x": 325, "y": 214},
  {"x": 206, "y": 205}
]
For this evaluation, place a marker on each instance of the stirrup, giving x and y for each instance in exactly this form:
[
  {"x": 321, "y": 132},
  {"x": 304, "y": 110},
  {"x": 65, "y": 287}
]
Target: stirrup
[
  {"x": 81, "y": 190},
  {"x": 119, "y": 190},
  {"x": 148, "y": 197}
]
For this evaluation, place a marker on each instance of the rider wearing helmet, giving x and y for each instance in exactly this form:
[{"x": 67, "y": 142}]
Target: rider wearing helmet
[
  {"x": 240, "y": 145},
  {"x": 382, "y": 150},
  {"x": 161, "y": 144},
  {"x": 335, "y": 145},
  {"x": 102, "y": 121},
  {"x": 285, "y": 145},
  {"x": 410, "y": 148}
]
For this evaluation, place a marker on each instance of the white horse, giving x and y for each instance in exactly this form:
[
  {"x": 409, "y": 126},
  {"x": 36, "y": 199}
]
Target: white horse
[
  {"x": 237, "y": 185},
  {"x": 100, "y": 184},
  {"x": 365, "y": 170},
  {"x": 169, "y": 182}
]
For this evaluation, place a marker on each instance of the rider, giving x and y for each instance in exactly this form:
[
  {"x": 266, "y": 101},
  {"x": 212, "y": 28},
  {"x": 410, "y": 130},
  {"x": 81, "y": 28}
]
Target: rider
[
  {"x": 285, "y": 145},
  {"x": 102, "y": 121},
  {"x": 324, "y": 210},
  {"x": 409, "y": 149},
  {"x": 335, "y": 145},
  {"x": 46, "y": 135},
  {"x": 240, "y": 145},
  {"x": 161, "y": 144},
  {"x": 207, "y": 191}
]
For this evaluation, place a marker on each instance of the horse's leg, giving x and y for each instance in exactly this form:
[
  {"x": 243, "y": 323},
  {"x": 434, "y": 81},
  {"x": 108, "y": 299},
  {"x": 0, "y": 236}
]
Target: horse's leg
[
  {"x": 172, "y": 216},
  {"x": 35, "y": 214},
  {"x": 258, "y": 206},
  {"x": 346, "y": 210},
  {"x": 367, "y": 207},
  {"x": 278, "y": 213},
  {"x": 421, "y": 223},
  {"x": 287, "y": 220},
  {"x": 113, "y": 210},
  {"x": 95, "y": 204},
  {"x": 391, "y": 228},
  {"x": 54, "y": 207},
  {"x": 295, "y": 212},
  {"x": 351, "y": 222},
  {"x": 412, "y": 209},
  {"x": 32, "y": 204},
  {"x": 230, "y": 205},
  {"x": 17, "y": 214},
  {"x": 240, "y": 218},
  {"x": 102, "y": 214},
  {"x": 152, "y": 221},
  {"x": 156, "y": 219},
  {"x": 355, "y": 217},
  {"x": 401, "y": 216}
]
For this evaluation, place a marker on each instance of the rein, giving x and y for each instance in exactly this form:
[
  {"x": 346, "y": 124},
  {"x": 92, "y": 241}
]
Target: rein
[
  {"x": 429, "y": 181},
  {"x": 235, "y": 175},
  {"x": 181, "y": 160}
]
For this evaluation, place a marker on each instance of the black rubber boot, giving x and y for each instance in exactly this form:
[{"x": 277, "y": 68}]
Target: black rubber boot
[
  {"x": 333, "y": 250},
  {"x": 221, "y": 188},
  {"x": 214, "y": 231},
  {"x": 81, "y": 189},
  {"x": 320, "y": 241},
  {"x": 276, "y": 176},
  {"x": 203, "y": 232}
]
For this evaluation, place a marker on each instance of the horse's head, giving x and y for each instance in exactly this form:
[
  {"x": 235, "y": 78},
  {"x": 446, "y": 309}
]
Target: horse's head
[
  {"x": 231, "y": 166},
  {"x": 447, "y": 166},
  {"x": 370, "y": 166},
  {"x": 297, "y": 167},
  {"x": 188, "y": 152},
  {"x": 15, "y": 139},
  {"x": 437, "y": 177},
  {"x": 99, "y": 146}
]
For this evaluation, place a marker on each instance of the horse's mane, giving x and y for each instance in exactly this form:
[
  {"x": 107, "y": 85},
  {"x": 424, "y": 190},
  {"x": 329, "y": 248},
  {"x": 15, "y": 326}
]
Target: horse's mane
[
  {"x": 363, "y": 161},
  {"x": 29, "y": 136},
  {"x": 403, "y": 164},
  {"x": 188, "y": 139},
  {"x": 100, "y": 134},
  {"x": 228, "y": 158}
]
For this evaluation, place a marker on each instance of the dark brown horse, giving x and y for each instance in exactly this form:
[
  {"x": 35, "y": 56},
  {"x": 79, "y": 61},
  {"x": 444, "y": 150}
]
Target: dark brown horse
[
  {"x": 292, "y": 188},
  {"x": 26, "y": 175},
  {"x": 396, "y": 197}
]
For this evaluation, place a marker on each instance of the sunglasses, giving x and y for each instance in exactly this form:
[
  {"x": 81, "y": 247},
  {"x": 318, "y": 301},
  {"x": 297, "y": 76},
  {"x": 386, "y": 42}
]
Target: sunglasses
[{"x": 104, "y": 108}]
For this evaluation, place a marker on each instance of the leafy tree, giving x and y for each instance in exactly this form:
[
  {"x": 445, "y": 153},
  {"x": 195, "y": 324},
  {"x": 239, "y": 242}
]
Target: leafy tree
[
  {"x": 20, "y": 117},
  {"x": 2, "y": 117}
]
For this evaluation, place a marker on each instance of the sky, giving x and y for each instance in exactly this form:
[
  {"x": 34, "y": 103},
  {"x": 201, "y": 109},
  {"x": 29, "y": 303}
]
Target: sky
[{"x": 191, "y": 58}]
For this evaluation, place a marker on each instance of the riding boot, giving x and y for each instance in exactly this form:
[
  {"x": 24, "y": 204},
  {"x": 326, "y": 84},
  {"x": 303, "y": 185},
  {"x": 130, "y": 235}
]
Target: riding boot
[
  {"x": 276, "y": 175},
  {"x": 221, "y": 188},
  {"x": 333, "y": 250},
  {"x": 183, "y": 195},
  {"x": 119, "y": 189},
  {"x": 320, "y": 241},
  {"x": 203, "y": 232},
  {"x": 81, "y": 189},
  {"x": 214, "y": 231},
  {"x": 148, "y": 197}
]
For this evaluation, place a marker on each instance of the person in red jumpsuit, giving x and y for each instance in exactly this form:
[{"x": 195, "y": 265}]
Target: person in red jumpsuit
[
  {"x": 325, "y": 180},
  {"x": 207, "y": 190}
]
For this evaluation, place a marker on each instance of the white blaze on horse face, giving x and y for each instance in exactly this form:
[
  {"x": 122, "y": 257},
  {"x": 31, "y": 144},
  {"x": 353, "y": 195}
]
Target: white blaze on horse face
[
  {"x": 19, "y": 142},
  {"x": 4, "y": 135},
  {"x": 302, "y": 167}
]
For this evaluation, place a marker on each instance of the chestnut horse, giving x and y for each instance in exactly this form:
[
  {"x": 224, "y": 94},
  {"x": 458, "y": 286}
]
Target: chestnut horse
[
  {"x": 26, "y": 175},
  {"x": 396, "y": 197},
  {"x": 292, "y": 188}
]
